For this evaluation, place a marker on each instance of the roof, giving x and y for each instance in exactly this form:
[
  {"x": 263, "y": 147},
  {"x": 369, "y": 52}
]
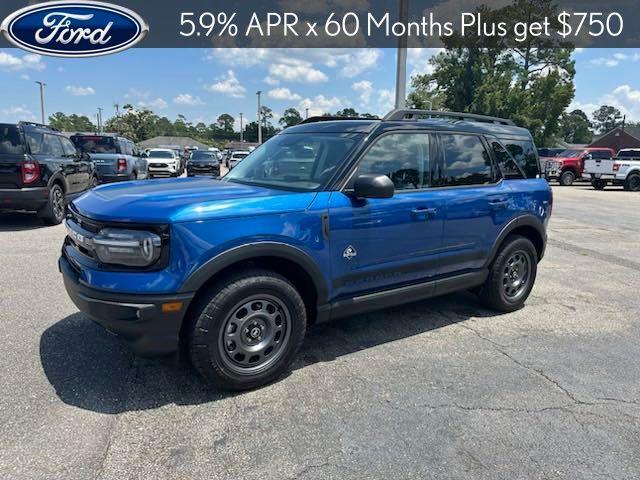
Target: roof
[
  {"x": 172, "y": 142},
  {"x": 633, "y": 131}
]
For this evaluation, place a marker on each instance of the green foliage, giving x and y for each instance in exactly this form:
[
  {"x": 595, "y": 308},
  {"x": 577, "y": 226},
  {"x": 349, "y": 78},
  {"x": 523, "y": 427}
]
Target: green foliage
[
  {"x": 575, "y": 127},
  {"x": 71, "y": 123},
  {"x": 531, "y": 83},
  {"x": 606, "y": 118},
  {"x": 290, "y": 117}
]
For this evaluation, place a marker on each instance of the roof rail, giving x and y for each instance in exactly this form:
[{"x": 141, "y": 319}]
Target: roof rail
[
  {"x": 328, "y": 118},
  {"x": 413, "y": 114},
  {"x": 34, "y": 124}
]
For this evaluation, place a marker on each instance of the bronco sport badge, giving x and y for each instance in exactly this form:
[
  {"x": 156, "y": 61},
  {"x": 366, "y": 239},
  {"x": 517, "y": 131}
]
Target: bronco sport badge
[
  {"x": 74, "y": 29},
  {"x": 349, "y": 252}
]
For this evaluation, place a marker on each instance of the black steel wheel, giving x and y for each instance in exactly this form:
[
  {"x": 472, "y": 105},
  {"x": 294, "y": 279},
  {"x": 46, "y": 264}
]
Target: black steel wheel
[
  {"x": 515, "y": 275},
  {"x": 632, "y": 183}
]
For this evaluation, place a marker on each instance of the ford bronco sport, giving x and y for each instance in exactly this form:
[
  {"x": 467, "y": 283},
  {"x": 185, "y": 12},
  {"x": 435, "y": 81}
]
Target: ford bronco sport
[{"x": 325, "y": 220}]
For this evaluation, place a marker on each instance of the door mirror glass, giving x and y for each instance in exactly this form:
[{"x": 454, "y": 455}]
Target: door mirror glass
[{"x": 373, "y": 186}]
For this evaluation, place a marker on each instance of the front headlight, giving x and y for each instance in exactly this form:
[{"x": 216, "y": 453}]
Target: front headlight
[{"x": 134, "y": 248}]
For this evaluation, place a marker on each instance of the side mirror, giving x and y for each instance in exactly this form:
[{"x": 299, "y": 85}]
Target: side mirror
[
  {"x": 373, "y": 186},
  {"x": 588, "y": 156},
  {"x": 144, "y": 155},
  {"x": 82, "y": 156}
]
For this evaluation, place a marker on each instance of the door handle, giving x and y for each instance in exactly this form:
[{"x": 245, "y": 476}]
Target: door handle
[
  {"x": 424, "y": 212},
  {"x": 498, "y": 203}
]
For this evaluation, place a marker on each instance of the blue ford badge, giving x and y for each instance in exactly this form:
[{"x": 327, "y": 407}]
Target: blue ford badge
[{"x": 74, "y": 29}]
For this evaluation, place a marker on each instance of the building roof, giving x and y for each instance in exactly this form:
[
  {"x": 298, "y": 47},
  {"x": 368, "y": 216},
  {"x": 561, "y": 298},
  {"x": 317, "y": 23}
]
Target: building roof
[
  {"x": 172, "y": 142},
  {"x": 633, "y": 131}
]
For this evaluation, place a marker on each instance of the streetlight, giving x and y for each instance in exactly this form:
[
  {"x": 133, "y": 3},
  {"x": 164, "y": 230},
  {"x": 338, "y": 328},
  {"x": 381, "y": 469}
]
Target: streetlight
[
  {"x": 259, "y": 119},
  {"x": 241, "y": 132},
  {"x": 401, "y": 69},
  {"x": 99, "y": 119},
  {"x": 306, "y": 112},
  {"x": 42, "y": 85}
]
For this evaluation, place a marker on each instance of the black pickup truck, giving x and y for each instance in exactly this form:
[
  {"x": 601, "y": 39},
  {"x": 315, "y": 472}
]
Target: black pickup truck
[{"x": 40, "y": 170}]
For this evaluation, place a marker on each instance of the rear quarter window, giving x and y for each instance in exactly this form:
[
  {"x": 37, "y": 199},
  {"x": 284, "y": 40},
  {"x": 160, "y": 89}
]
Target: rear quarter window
[
  {"x": 525, "y": 154},
  {"x": 10, "y": 142}
]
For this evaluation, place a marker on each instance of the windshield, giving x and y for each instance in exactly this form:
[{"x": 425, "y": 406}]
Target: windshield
[
  {"x": 160, "y": 154},
  {"x": 296, "y": 161},
  {"x": 570, "y": 153},
  {"x": 629, "y": 153},
  {"x": 10, "y": 140},
  {"x": 239, "y": 154},
  {"x": 203, "y": 156},
  {"x": 96, "y": 144}
]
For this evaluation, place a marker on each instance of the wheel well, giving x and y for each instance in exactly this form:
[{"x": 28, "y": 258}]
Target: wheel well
[
  {"x": 59, "y": 182},
  {"x": 533, "y": 235},
  {"x": 289, "y": 269},
  {"x": 569, "y": 169}
]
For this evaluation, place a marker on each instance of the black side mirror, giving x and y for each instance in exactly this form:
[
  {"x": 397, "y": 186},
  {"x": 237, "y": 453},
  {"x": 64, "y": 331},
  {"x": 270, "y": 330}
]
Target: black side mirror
[{"x": 373, "y": 186}]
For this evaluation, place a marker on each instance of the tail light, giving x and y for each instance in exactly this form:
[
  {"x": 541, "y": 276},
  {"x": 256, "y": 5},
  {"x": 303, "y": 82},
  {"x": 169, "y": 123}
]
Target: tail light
[
  {"x": 29, "y": 171},
  {"x": 122, "y": 164},
  {"x": 616, "y": 167}
]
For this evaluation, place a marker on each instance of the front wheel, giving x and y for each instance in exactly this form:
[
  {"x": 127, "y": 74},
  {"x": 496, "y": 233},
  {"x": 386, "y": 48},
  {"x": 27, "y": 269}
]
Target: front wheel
[
  {"x": 567, "y": 178},
  {"x": 248, "y": 331},
  {"x": 53, "y": 212},
  {"x": 511, "y": 276},
  {"x": 632, "y": 183}
]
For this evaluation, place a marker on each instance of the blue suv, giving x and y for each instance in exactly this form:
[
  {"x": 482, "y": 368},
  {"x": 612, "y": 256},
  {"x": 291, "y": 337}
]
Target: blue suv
[{"x": 330, "y": 218}]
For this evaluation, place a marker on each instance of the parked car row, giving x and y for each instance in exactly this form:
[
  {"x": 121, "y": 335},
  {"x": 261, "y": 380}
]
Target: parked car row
[
  {"x": 622, "y": 170},
  {"x": 568, "y": 165}
]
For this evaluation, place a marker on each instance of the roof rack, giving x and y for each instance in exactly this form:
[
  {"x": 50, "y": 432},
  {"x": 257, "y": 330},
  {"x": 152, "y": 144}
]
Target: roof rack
[
  {"x": 413, "y": 114},
  {"x": 329, "y": 118},
  {"x": 34, "y": 124}
]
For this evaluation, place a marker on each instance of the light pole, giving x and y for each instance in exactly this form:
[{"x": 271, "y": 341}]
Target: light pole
[
  {"x": 401, "y": 68},
  {"x": 306, "y": 112},
  {"x": 42, "y": 85},
  {"x": 259, "y": 119},
  {"x": 241, "y": 132},
  {"x": 100, "y": 120}
]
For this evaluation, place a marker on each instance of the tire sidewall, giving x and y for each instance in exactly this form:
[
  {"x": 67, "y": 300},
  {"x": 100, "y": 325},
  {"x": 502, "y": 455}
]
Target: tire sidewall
[
  {"x": 525, "y": 246},
  {"x": 629, "y": 180},
  {"x": 567, "y": 178}
]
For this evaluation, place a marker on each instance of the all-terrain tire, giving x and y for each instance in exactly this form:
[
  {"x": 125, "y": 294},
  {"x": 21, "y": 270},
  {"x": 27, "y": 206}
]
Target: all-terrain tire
[
  {"x": 224, "y": 322},
  {"x": 511, "y": 275},
  {"x": 632, "y": 183},
  {"x": 567, "y": 178}
]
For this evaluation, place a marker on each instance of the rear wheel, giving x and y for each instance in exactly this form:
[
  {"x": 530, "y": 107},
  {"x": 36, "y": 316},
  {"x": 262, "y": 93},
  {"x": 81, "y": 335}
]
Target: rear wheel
[
  {"x": 567, "y": 178},
  {"x": 511, "y": 276},
  {"x": 53, "y": 212},
  {"x": 632, "y": 183},
  {"x": 598, "y": 184},
  {"x": 248, "y": 331}
]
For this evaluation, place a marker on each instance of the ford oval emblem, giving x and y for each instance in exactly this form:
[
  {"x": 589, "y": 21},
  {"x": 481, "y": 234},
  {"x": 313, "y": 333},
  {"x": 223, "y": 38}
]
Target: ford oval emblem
[{"x": 74, "y": 29}]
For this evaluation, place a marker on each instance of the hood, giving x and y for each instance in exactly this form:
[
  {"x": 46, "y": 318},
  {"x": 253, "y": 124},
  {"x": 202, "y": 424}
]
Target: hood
[{"x": 185, "y": 200}]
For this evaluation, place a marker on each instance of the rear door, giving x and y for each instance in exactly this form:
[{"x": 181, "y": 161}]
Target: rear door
[
  {"x": 377, "y": 244},
  {"x": 477, "y": 201},
  {"x": 11, "y": 155},
  {"x": 81, "y": 178}
]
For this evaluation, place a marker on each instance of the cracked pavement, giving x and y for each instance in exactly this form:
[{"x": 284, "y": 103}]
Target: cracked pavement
[{"x": 436, "y": 389}]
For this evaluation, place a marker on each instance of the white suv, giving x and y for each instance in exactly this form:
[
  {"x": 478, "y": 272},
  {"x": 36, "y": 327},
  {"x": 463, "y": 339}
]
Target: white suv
[
  {"x": 163, "y": 162},
  {"x": 236, "y": 157}
]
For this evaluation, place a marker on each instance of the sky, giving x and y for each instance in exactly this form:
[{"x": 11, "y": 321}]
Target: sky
[{"x": 201, "y": 84}]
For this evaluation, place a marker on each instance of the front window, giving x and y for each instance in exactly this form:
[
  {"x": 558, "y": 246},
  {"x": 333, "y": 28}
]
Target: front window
[
  {"x": 571, "y": 153},
  {"x": 160, "y": 154},
  {"x": 295, "y": 161},
  {"x": 96, "y": 144}
]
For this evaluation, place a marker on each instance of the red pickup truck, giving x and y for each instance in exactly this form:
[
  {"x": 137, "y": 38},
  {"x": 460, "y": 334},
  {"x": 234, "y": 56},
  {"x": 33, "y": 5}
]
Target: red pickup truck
[{"x": 568, "y": 165}]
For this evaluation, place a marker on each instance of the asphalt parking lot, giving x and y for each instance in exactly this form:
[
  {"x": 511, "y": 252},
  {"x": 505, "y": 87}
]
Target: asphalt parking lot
[{"x": 436, "y": 389}]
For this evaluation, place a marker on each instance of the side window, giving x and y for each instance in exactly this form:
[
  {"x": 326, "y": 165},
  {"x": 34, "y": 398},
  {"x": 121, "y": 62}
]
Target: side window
[
  {"x": 36, "y": 142},
  {"x": 601, "y": 154},
  {"x": 508, "y": 166},
  {"x": 52, "y": 146},
  {"x": 68, "y": 147},
  {"x": 524, "y": 153},
  {"x": 403, "y": 157},
  {"x": 466, "y": 161},
  {"x": 126, "y": 147}
]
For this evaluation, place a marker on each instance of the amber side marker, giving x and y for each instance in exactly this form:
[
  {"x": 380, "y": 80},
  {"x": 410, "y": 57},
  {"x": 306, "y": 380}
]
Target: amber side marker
[{"x": 171, "y": 307}]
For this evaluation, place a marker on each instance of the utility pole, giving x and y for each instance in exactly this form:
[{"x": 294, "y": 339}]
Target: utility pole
[
  {"x": 306, "y": 112},
  {"x": 241, "y": 132},
  {"x": 100, "y": 120},
  {"x": 42, "y": 85},
  {"x": 259, "y": 118},
  {"x": 117, "y": 107},
  {"x": 401, "y": 68}
]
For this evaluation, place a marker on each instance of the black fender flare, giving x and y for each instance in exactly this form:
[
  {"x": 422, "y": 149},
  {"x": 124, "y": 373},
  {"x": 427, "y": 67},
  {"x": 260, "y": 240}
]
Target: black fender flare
[
  {"x": 528, "y": 220},
  {"x": 253, "y": 250},
  {"x": 58, "y": 177}
]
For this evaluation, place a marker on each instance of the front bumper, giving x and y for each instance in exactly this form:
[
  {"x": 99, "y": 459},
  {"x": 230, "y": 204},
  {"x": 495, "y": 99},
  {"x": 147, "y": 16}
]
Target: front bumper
[
  {"x": 32, "y": 199},
  {"x": 141, "y": 320},
  {"x": 113, "y": 177},
  {"x": 163, "y": 169},
  {"x": 209, "y": 170}
]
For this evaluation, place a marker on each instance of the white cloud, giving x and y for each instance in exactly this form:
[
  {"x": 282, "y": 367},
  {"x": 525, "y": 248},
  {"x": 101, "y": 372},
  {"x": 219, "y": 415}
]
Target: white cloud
[
  {"x": 283, "y": 94},
  {"x": 156, "y": 104},
  {"x": 188, "y": 100},
  {"x": 319, "y": 105},
  {"x": 386, "y": 100},
  {"x": 24, "y": 76},
  {"x": 135, "y": 94},
  {"x": 77, "y": 91},
  {"x": 418, "y": 60},
  {"x": 361, "y": 61},
  {"x": 364, "y": 89},
  {"x": 297, "y": 73},
  {"x": 17, "y": 113},
  {"x": 228, "y": 85},
  {"x": 29, "y": 61},
  {"x": 615, "y": 59},
  {"x": 624, "y": 97}
]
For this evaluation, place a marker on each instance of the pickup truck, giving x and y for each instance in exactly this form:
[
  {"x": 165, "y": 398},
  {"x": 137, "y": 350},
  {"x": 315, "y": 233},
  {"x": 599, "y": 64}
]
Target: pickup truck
[
  {"x": 623, "y": 170},
  {"x": 569, "y": 165}
]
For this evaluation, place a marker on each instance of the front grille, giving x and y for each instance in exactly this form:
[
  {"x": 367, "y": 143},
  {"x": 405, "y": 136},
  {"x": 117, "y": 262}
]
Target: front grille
[{"x": 158, "y": 165}]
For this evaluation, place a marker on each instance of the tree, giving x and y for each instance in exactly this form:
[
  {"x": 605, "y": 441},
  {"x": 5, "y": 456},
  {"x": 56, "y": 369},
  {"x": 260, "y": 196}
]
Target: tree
[
  {"x": 136, "y": 124},
  {"x": 71, "y": 123},
  {"x": 347, "y": 112},
  {"x": 606, "y": 118},
  {"x": 290, "y": 117},
  {"x": 225, "y": 122},
  {"x": 575, "y": 127},
  {"x": 266, "y": 114}
]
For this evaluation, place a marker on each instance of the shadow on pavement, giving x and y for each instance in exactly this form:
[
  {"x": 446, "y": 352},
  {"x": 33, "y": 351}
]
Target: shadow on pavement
[
  {"x": 16, "y": 222},
  {"x": 93, "y": 370}
]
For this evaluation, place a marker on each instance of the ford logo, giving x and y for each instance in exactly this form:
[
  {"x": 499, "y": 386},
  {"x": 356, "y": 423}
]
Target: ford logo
[{"x": 74, "y": 29}]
